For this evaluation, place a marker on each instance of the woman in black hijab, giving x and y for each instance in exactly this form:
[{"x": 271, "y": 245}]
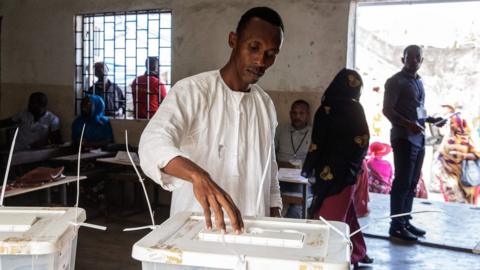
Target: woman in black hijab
[{"x": 339, "y": 144}]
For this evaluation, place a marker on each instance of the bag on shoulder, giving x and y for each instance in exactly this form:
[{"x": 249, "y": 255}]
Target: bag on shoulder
[{"x": 470, "y": 173}]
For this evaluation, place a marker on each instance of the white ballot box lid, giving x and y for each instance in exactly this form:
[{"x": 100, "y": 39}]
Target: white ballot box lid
[
  {"x": 267, "y": 243},
  {"x": 37, "y": 230}
]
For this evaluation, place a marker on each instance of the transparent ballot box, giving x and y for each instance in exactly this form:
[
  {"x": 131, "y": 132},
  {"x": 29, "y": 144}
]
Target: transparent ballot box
[
  {"x": 39, "y": 238},
  {"x": 183, "y": 242}
]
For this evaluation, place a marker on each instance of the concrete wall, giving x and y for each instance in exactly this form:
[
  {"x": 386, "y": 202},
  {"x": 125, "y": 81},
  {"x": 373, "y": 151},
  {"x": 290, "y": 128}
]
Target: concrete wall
[{"x": 37, "y": 48}]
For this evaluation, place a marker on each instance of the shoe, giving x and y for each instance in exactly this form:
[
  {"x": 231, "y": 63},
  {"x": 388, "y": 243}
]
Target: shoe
[
  {"x": 401, "y": 233},
  {"x": 415, "y": 230},
  {"x": 366, "y": 259}
]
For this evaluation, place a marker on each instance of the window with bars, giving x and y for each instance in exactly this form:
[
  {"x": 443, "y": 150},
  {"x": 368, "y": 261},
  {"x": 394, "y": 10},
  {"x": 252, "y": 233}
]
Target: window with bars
[{"x": 124, "y": 57}]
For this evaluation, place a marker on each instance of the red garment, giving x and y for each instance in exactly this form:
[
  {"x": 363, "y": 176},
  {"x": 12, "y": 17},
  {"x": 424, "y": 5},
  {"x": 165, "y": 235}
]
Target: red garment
[
  {"x": 340, "y": 207},
  {"x": 361, "y": 197},
  {"x": 140, "y": 83}
]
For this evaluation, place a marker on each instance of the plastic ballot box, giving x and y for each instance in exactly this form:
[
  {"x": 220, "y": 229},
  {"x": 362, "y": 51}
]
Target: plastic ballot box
[
  {"x": 182, "y": 242},
  {"x": 39, "y": 238}
]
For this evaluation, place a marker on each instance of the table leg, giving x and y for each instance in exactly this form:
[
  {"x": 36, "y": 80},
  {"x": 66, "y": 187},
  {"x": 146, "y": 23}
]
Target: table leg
[
  {"x": 304, "y": 205},
  {"x": 64, "y": 194},
  {"x": 49, "y": 195}
]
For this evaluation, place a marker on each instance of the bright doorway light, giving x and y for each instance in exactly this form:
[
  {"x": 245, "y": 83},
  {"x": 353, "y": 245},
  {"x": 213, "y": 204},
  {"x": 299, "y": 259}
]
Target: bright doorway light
[{"x": 449, "y": 32}]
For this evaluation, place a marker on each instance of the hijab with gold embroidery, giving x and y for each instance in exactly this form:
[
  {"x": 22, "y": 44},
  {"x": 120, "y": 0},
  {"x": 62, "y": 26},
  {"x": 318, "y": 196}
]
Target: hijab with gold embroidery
[{"x": 339, "y": 138}]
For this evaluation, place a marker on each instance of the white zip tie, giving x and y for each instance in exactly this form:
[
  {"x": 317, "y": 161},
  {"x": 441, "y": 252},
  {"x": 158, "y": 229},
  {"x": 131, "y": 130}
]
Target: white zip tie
[
  {"x": 334, "y": 229},
  {"x": 78, "y": 173},
  {"x": 139, "y": 228},
  {"x": 344, "y": 236},
  {"x": 77, "y": 201},
  {"x": 78, "y": 165},
  {"x": 393, "y": 216},
  {"x": 89, "y": 225},
  {"x": 5, "y": 179},
  {"x": 143, "y": 187}
]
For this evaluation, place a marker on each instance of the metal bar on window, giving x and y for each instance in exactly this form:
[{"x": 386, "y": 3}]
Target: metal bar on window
[{"x": 94, "y": 37}]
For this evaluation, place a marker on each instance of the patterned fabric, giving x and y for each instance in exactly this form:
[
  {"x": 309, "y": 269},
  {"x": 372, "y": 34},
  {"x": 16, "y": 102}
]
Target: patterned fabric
[
  {"x": 380, "y": 174},
  {"x": 340, "y": 139},
  {"x": 448, "y": 167}
]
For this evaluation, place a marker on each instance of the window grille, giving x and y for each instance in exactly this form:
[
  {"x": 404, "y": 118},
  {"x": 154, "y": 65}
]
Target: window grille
[{"x": 123, "y": 41}]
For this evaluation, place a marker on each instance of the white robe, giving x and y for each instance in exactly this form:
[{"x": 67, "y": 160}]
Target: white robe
[{"x": 227, "y": 133}]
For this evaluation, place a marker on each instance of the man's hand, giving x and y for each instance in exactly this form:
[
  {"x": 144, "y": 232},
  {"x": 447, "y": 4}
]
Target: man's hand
[
  {"x": 212, "y": 197},
  {"x": 207, "y": 192},
  {"x": 275, "y": 212},
  {"x": 439, "y": 121}
]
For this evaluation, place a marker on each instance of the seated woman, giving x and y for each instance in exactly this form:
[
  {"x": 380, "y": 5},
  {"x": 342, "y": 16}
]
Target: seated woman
[
  {"x": 380, "y": 172},
  {"x": 454, "y": 149},
  {"x": 338, "y": 146},
  {"x": 98, "y": 131}
]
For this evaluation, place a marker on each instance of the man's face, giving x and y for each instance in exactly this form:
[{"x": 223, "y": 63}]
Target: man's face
[
  {"x": 37, "y": 109},
  {"x": 412, "y": 60},
  {"x": 254, "y": 49},
  {"x": 100, "y": 71},
  {"x": 299, "y": 116}
]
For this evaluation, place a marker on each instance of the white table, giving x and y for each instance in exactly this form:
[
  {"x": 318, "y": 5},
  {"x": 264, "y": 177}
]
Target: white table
[
  {"x": 88, "y": 155},
  {"x": 62, "y": 182},
  {"x": 115, "y": 161},
  {"x": 290, "y": 175}
]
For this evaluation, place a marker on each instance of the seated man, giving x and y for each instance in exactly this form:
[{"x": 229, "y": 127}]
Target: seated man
[
  {"x": 38, "y": 127},
  {"x": 291, "y": 147},
  {"x": 148, "y": 85},
  {"x": 111, "y": 93}
]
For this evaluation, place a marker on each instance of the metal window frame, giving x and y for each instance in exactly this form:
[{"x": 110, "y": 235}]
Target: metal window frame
[{"x": 86, "y": 50}]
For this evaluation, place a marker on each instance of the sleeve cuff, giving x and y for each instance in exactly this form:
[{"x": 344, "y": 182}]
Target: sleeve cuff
[
  {"x": 152, "y": 167},
  {"x": 276, "y": 201}
]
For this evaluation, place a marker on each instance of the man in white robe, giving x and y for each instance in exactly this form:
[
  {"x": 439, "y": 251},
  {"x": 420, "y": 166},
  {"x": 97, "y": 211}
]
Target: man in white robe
[{"x": 212, "y": 138}]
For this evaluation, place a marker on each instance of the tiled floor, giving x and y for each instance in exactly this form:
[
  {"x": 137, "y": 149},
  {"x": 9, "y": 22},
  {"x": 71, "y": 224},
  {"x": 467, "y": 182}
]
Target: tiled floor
[
  {"x": 457, "y": 226},
  {"x": 393, "y": 256},
  {"x": 451, "y": 235},
  {"x": 451, "y": 225}
]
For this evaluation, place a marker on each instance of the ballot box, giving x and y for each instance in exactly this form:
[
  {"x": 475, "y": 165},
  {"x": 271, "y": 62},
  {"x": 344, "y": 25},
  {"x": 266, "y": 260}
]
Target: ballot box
[
  {"x": 183, "y": 242},
  {"x": 39, "y": 238}
]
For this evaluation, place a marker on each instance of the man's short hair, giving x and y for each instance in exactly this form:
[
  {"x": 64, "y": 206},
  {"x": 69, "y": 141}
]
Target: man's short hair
[
  {"x": 301, "y": 102},
  {"x": 38, "y": 98},
  {"x": 151, "y": 61},
  {"x": 100, "y": 65},
  {"x": 412, "y": 47},
  {"x": 264, "y": 13}
]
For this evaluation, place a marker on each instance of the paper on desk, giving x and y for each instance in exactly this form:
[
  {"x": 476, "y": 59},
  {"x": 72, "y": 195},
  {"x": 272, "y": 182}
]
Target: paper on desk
[
  {"x": 123, "y": 156},
  {"x": 289, "y": 173}
]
